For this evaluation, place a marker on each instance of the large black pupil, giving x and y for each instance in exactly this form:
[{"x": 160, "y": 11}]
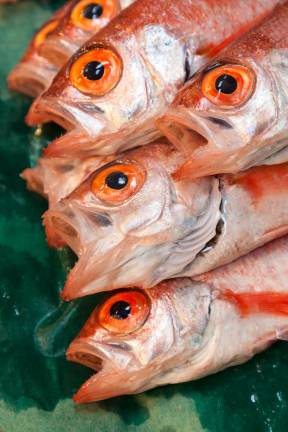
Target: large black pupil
[
  {"x": 226, "y": 84},
  {"x": 94, "y": 70},
  {"x": 116, "y": 180},
  {"x": 92, "y": 11},
  {"x": 120, "y": 310}
]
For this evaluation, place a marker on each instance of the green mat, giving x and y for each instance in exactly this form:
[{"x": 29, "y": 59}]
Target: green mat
[{"x": 36, "y": 383}]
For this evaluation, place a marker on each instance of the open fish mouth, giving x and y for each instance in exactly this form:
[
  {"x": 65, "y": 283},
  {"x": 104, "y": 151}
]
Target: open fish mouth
[
  {"x": 31, "y": 78},
  {"x": 75, "y": 120},
  {"x": 177, "y": 127},
  {"x": 57, "y": 227},
  {"x": 205, "y": 141},
  {"x": 79, "y": 353},
  {"x": 47, "y": 109},
  {"x": 108, "y": 381}
]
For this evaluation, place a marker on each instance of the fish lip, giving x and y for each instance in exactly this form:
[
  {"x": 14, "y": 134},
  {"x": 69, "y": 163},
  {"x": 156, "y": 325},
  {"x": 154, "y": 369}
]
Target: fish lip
[
  {"x": 80, "y": 352},
  {"x": 31, "y": 78},
  {"x": 58, "y": 50},
  {"x": 45, "y": 109}
]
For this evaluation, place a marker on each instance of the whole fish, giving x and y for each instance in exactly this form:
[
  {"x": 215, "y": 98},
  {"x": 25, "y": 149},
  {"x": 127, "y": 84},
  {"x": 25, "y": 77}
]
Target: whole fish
[
  {"x": 234, "y": 113},
  {"x": 108, "y": 94},
  {"x": 132, "y": 224},
  {"x": 58, "y": 39},
  {"x": 184, "y": 329}
]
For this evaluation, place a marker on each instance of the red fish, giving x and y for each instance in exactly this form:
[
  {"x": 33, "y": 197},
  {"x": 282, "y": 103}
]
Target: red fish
[
  {"x": 111, "y": 90},
  {"x": 185, "y": 329},
  {"x": 58, "y": 39},
  {"x": 234, "y": 113},
  {"x": 132, "y": 224}
]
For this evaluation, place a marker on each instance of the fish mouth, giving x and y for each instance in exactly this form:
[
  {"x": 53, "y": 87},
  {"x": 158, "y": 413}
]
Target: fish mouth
[
  {"x": 79, "y": 352},
  {"x": 48, "y": 109},
  {"x": 60, "y": 231},
  {"x": 197, "y": 137},
  {"x": 177, "y": 128},
  {"x": 57, "y": 50},
  {"x": 108, "y": 381},
  {"x": 31, "y": 77},
  {"x": 76, "y": 122}
]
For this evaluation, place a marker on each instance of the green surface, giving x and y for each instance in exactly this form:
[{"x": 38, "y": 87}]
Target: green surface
[{"x": 36, "y": 382}]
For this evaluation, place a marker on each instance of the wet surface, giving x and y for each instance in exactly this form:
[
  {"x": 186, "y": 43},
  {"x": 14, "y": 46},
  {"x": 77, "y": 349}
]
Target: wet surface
[{"x": 36, "y": 382}]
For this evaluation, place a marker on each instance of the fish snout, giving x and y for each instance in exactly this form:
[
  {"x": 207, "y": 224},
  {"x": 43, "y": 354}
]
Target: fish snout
[
  {"x": 58, "y": 49},
  {"x": 48, "y": 108},
  {"x": 112, "y": 376},
  {"x": 31, "y": 77},
  {"x": 204, "y": 139}
]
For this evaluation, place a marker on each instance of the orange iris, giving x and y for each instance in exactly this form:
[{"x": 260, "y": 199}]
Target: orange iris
[
  {"x": 96, "y": 72},
  {"x": 118, "y": 182},
  {"x": 92, "y": 15},
  {"x": 44, "y": 32},
  {"x": 228, "y": 85},
  {"x": 124, "y": 312}
]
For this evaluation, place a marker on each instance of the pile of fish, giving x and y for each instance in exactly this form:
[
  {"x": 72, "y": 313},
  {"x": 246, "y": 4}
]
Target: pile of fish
[{"x": 172, "y": 171}]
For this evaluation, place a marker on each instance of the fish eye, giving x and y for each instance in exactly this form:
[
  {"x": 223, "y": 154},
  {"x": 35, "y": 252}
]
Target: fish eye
[
  {"x": 124, "y": 312},
  {"x": 118, "y": 182},
  {"x": 96, "y": 72},
  {"x": 228, "y": 85},
  {"x": 92, "y": 15},
  {"x": 45, "y": 32}
]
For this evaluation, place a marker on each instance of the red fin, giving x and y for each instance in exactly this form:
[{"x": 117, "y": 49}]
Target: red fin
[{"x": 263, "y": 302}]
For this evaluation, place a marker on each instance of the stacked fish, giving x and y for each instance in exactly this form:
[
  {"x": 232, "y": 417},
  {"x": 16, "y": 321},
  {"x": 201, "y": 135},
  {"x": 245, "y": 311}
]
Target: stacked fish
[{"x": 172, "y": 170}]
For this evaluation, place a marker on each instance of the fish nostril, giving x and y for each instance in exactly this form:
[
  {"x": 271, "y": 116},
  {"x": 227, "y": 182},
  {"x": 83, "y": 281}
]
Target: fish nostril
[
  {"x": 100, "y": 219},
  {"x": 220, "y": 122}
]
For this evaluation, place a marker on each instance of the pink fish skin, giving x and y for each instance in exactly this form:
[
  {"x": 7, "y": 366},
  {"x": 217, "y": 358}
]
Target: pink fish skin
[
  {"x": 228, "y": 132},
  {"x": 205, "y": 332},
  {"x": 58, "y": 39},
  {"x": 151, "y": 227},
  {"x": 111, "y": 90}
]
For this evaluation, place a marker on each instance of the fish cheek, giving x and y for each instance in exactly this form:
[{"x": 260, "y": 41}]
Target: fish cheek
[{"x": 148, "y": 343}]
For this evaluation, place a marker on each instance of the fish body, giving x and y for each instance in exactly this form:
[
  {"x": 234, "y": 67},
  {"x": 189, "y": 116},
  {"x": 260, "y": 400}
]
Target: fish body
[
  {"x": 245, "y": 124},
  {"x": 58, "y": 39},
  {"x": 111, "y": 90},
  {"x": 132, "y": 224},
  {"x": 205, "y": 329}
]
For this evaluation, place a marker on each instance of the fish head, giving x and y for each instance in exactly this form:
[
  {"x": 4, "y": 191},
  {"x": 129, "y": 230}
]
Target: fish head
[
  {"x": 131, "y": 224},
  {"x": 140, "y": 339},
  {"x": 111, "y": 89},
  {"x": 82, "y": 19},
  {"x": 34, "y": 73},
  {"x": 226, "y": 115}
]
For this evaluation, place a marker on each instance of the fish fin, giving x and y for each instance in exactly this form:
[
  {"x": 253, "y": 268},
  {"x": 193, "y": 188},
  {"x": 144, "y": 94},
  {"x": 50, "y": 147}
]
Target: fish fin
[{"x": 270, "y": 302}]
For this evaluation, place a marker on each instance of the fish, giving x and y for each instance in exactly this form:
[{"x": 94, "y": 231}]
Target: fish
[
  {"x": 131, "y": 224},
  {"x": 234, "y": 113},
  {"x": 205, "y": 329},
  {"x": 108, "y": 94},
  {"x": 58, "y": 39}
]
